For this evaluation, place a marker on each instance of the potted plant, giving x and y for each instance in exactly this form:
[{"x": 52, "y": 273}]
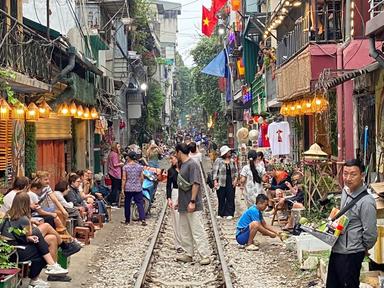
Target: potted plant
[{"x": 8, "y": 269}]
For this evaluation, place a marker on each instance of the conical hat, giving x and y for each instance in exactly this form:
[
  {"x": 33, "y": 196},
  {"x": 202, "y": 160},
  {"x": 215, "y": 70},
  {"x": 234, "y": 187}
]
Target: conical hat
[
  {"x": 315, "y": 152},
  {"x": 253, "y": 135},
  {"x": 242, "y": 134}
]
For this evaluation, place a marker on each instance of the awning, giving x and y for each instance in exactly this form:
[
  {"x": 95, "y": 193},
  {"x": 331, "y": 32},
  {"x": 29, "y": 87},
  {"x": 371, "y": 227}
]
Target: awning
[{"x": 350, "y": 75}]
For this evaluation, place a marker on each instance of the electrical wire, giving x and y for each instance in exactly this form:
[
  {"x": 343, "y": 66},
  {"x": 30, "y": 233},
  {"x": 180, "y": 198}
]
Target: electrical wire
[{"x": 34, "y": 7}]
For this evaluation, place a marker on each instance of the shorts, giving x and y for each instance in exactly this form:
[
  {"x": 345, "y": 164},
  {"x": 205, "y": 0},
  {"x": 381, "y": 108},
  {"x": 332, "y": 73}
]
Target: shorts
[{"x": 242, "y": 235}]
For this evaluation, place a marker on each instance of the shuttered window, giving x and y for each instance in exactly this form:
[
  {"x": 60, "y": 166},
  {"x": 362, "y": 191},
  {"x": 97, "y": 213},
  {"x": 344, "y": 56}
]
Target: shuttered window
[
  {"x": 54, "y": 129},
  {"x": 6, "y": 131}
]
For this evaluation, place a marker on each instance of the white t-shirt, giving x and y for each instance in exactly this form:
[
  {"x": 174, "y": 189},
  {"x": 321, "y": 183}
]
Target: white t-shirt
[
  {"x": 62, "y": 200},
  {"x": 252, "y": 189},
  {"x": 197, "y": 157},
  {"x": 7, "y": 201},
  {"x": 278, "y": 135}
]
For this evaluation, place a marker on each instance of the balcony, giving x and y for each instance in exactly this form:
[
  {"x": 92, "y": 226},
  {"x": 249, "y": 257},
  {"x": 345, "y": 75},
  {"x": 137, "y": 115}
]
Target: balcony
[
  {"x": 375, "y": 26},
  {"x": 259, "y": 104},
  {"x": 321, "y": 26},
  {"x": 23, "y": 51}
]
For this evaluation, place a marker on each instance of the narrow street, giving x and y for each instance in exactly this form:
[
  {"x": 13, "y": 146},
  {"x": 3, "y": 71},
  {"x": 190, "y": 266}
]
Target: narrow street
[
  {"x": 281, "y": 102},
  {"x": 115, "y": 255}
]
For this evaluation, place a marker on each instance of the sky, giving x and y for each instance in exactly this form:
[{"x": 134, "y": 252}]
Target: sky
[
  {"x": 189, "y": 27},
  {"x": 189, "y": 21}
]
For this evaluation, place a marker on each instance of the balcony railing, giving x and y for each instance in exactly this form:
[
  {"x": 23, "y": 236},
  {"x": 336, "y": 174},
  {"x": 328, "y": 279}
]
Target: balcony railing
[
  {"x": 23, "y": 51},
  {"x": 376, "y": 7},
  {"x": 323, "y": 25}
]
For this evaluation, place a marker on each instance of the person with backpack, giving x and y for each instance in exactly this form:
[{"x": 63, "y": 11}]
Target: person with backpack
[{"x": 360, "y": 234}]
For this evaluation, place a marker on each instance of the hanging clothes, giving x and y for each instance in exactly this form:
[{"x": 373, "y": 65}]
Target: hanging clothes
[
  {"x": 278, "y": 135},
  {"x": 264, "y": 132}
]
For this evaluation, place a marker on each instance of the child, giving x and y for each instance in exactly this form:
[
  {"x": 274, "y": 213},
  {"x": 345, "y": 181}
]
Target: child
[{"x": 252, "y": 222}]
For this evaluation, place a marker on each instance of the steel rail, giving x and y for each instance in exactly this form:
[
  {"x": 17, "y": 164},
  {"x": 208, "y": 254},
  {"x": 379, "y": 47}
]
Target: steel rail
[
  {"x": 147, "y": 260},
  {"x": 140, "y": 280},
  {"x": 219, "y": 247}
]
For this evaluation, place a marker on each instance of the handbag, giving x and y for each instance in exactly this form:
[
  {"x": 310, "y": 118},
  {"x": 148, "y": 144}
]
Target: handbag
[
  {"x": 210, "y": 182},
  {"x": 183, "y": 184}
]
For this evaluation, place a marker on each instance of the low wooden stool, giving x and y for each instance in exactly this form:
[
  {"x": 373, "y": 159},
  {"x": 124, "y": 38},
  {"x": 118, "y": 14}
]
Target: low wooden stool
[
  {"x": 91, "y": 227},
  {"x": 99, "y": 219},
  {"x": 275, "y": 217},
  {"x": 82, "y": 234}
]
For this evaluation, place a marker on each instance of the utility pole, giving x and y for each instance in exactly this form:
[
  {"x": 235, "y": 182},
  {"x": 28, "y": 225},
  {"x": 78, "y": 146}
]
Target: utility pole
[{"x": 48, "y": 12}]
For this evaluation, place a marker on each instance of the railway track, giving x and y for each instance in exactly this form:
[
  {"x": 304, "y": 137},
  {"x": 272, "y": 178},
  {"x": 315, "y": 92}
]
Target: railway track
[{"x": 160, "y": 269}]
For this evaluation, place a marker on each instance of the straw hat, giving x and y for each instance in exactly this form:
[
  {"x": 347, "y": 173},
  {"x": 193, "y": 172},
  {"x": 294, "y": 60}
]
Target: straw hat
[
  {"x": 242, "y": 135},
  {"x": 253, "y": 135},
  {"x": 314, "y": 152},
  {"x": 224, "y": 150}
]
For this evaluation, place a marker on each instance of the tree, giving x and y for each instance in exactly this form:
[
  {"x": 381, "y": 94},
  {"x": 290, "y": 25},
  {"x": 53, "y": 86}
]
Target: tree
[
  {"x": 207, "y": 90},
  {"x": 156, "y": 99}
]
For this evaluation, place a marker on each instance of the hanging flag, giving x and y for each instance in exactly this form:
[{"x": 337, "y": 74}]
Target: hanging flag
[
  {"x": 217, "y": 67},
  {"x": 217, "y": 5},
  {"x": 209, "y": 21}
]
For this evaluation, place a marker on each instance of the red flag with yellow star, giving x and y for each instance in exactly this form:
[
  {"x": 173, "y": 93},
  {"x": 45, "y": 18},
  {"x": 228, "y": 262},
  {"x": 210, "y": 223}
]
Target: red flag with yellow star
[
  {"x": 208, "y": 22},
  {"x": 217, "y": 5}
]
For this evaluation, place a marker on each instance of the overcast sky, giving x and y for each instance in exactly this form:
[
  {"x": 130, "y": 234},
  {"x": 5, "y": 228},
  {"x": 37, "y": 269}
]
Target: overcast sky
[{"x": 61, "y": 20}]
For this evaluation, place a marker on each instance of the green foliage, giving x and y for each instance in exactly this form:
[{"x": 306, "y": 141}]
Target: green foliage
[
  {"x": 156, "y": 99},
  {"x": 207, "y": 90},
  {"x": 185, "y": 91},
  {"x": 5, "y": 86},
  {"x": 30, "y": 148},
  {"x": 141, "y": 13},
  {"x": 5, "y": 251}
]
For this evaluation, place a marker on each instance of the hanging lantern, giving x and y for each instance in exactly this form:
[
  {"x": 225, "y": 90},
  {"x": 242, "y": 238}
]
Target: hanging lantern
[
  {"x": 63, "y": 110},
  {"x": 32, "y": 113},
  {"x": 4, "y": 110},
  {"x": 298, "y": 108},
  {"x": 72, "y": 109},
  {"x": 307, "y": 107},
  {"x": 87, "y": 114},
  {"x": 80, "y": 112},
  {"x": 18, "y": 112},
  {"x": 44, "y": 110},
  {"x": 94, "y": 114},
  {"x": 235, "y": 5}
]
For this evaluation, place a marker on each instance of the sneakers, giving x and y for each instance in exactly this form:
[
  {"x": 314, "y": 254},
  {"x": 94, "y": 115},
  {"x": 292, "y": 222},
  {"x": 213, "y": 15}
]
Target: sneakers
[
  {"x": 143, "y": 223},
  {"x": 38, "y": 283},
  {"x": 70, "y": 248},
  {"x": 184, "y": 258},
  {"x": 55, "y": 269},
  {"x": 78, "y": 242},
  {"x": 205, "y": 261},
  {"x": 218, "y": 217},
  {"x": 252, "y": 247},
  {"x": 229, "y": 217},
  {"x": 59, "y": 278}
]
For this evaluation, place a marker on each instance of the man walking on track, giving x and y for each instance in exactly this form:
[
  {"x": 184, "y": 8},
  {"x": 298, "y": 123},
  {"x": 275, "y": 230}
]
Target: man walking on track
[{"x": 190, "y": 207}]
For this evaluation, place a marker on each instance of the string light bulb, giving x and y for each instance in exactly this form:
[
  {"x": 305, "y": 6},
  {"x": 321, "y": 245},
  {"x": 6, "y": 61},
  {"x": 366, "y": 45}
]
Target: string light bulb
[
  {"x": 94, "y": 114},
  {"x": 44, "y": 110},
  {"x": 32, "y": 113},
  {"x": 18, "y": 112},
  {"x": 73, "y": 109},
  {"x": 80, "y": 112},
  {"x": 4, "y": 109}
]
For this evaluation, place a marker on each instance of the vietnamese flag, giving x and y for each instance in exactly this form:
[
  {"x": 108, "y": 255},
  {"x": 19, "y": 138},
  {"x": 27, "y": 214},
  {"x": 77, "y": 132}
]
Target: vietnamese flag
[
  {"x": 217, "y": 5},
  {"x": 208, "y": 22}
]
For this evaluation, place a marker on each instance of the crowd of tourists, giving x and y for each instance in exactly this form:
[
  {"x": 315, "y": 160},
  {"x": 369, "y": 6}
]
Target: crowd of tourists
[{"x": 35, "y": 216}]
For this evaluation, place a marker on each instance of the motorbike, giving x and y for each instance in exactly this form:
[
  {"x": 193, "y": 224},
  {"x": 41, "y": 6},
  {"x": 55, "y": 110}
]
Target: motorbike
[{"x": 149, "y": 190}]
